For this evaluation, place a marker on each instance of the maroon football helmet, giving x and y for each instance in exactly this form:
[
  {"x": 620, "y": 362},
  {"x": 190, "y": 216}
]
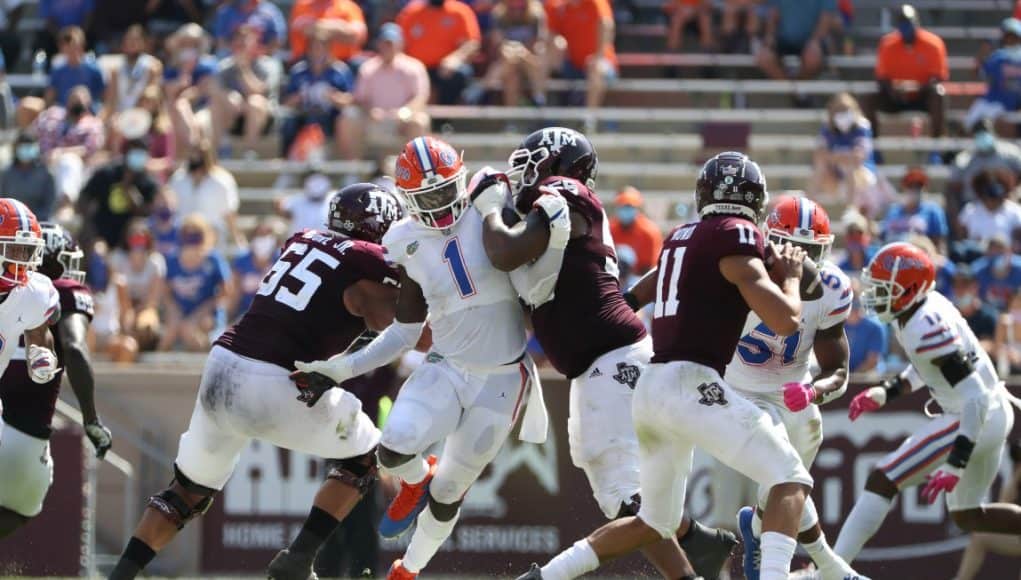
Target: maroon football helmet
[{"x": 363, "y": 211}]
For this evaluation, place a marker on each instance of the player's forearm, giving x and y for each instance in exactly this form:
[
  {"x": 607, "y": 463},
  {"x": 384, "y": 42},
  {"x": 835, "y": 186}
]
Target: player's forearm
[
  {"x": 79, "y": 371},
  {"x": 392, "y": 343},
  {"x": 643, "y": 292},
  {"x": 830, "y": 384}
]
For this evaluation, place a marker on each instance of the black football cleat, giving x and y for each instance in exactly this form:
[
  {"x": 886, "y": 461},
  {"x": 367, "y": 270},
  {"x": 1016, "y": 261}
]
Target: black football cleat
[
  {"x": 708, "y": 550},
  {"x": 534, "y": 573},
  {"x": 287, "y": 565}
]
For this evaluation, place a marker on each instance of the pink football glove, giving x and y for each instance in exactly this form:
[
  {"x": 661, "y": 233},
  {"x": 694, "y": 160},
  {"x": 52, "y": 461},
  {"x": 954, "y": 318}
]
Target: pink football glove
[
  {"x": 867, "y": 401},
  {"x": 944, "y": 479},
  {"x": 798, "y": 396}
]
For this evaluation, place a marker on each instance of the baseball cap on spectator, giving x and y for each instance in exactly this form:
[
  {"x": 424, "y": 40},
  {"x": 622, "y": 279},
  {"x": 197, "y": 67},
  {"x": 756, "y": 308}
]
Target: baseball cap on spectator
[
  {"x": 915, "y": 177},
  {"x": 628, "y": 196},
  {"x": 1011, "y": 26},
  {"x": 391, "y": 32}
]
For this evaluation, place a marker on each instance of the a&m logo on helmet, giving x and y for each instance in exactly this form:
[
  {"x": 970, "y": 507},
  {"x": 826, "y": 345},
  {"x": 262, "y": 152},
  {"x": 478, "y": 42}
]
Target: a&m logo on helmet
[{"x": 556, "y": 138}]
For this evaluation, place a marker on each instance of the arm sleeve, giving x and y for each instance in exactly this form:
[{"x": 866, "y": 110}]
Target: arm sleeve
[{"x": 397, "y": 339}]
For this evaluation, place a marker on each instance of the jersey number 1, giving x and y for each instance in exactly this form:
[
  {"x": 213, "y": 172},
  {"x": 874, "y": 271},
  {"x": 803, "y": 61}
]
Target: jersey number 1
[
  {"x": 455, "y": 261},
  {"x": 310, "y": 281}
]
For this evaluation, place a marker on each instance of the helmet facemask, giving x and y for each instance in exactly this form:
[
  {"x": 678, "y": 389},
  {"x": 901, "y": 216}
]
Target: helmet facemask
[
  {"x": 71, "y": 261},
  {"x": 18, "y": 255},
  {"x": 524, "y": 167},
  {"x": 439, "y": 206}
]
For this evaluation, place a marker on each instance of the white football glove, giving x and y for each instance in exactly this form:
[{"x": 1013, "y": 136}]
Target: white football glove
[
  {"x": 489, "y": 190},
  {"x": 559, "y": 215},
  {"x": 42, "y": 364}
]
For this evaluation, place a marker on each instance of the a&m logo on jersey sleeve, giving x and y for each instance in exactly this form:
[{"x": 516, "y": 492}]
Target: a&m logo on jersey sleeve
[{"x": 712, "y": 394}]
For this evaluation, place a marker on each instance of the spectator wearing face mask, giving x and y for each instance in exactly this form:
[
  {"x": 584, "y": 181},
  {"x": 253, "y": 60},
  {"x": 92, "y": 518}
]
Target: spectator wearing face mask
[
  {"x": 630, "y": 227},
  {"x": 867, "y": 338},
  {"x": 987, "y": 152},
  {"x": 70, "y": 140},
  {"x": 858, "y": 247},
  {"x": 307, "y": 210},
  {"x": 979, "y": 315},
  {"x": 205, "y": 188},
  {"x": 116, "y": 193},
  {"x": 73, "y": 70},
  {"x": 164, "y": 222},
  {"x": 29, "y": 180},
  {"x": 991, "y": 214},
  {"x": 198, "y": 280},
  {"x": 911, "y": 67},
  {"x": 844, "y": 159},
  {"x": 144, "y": 271},
  {"x": 911, "y": 213},
  {"x": 1002, "y": 73},
  {"x": 250, "y": 266},
  {"x": 998, "y": 273}
]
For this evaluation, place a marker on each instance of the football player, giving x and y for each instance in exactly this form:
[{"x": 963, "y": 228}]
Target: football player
[
  {"x": 323, "y": 292},
  {"x": 772, "y": 371},
  {"x": 710, "y": 274},
  {"x": 28, "y": 300},
  {"x": 473, "y": 385},
  {"x": 958, "y": 452},
  {"x": 564, "y": 268},
  {"x": 28, "y": 407}
]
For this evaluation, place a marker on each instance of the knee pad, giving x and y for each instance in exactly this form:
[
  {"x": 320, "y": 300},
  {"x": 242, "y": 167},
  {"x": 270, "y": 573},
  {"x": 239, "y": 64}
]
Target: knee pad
[
  {"x": 359, "y": 472},
  {"x": 444, "y": 512},
  {"x": 390, "y": 459},
  {"x": 450, "y": 484},
  {"x": 630, "y": 507},
  {"x": 176, "y": 508}
]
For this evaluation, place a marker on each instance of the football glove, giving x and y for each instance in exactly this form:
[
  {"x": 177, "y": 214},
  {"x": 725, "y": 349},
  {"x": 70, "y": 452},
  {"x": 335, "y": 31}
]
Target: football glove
[
  {"x": 100, "y": 437},
  {"x": 867, "y": 401},
  {"x": 557, "y": 212},
  {"x": 489, "y": 190},
  {"x": 798, "y": 396},
  {"x": 42, "y": 364},
  {"x": 945, "y": 479},
  {"x": 311, "y": 386}
]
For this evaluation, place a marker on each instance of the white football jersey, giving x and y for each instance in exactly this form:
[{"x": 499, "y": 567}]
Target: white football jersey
[
  {"x": 473, "y": 310},
  {"x": 26, "y": 307},
  {"x": 764, "y": 361},
  {"x": 935, "y": 330}
]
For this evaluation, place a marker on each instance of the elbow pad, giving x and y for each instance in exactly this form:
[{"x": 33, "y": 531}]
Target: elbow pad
[
  {"x": 559, "y": 216},
  {"x": 535, "y": 283}
]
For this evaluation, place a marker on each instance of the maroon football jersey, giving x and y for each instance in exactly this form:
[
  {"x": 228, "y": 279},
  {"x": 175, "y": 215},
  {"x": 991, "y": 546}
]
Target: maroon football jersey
[
  {"x": 29, "y": 407},
  {"x": 298, "y": 312},
  {"x": 699, "y": 315},
  {"x": 587, "y": 316}
]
